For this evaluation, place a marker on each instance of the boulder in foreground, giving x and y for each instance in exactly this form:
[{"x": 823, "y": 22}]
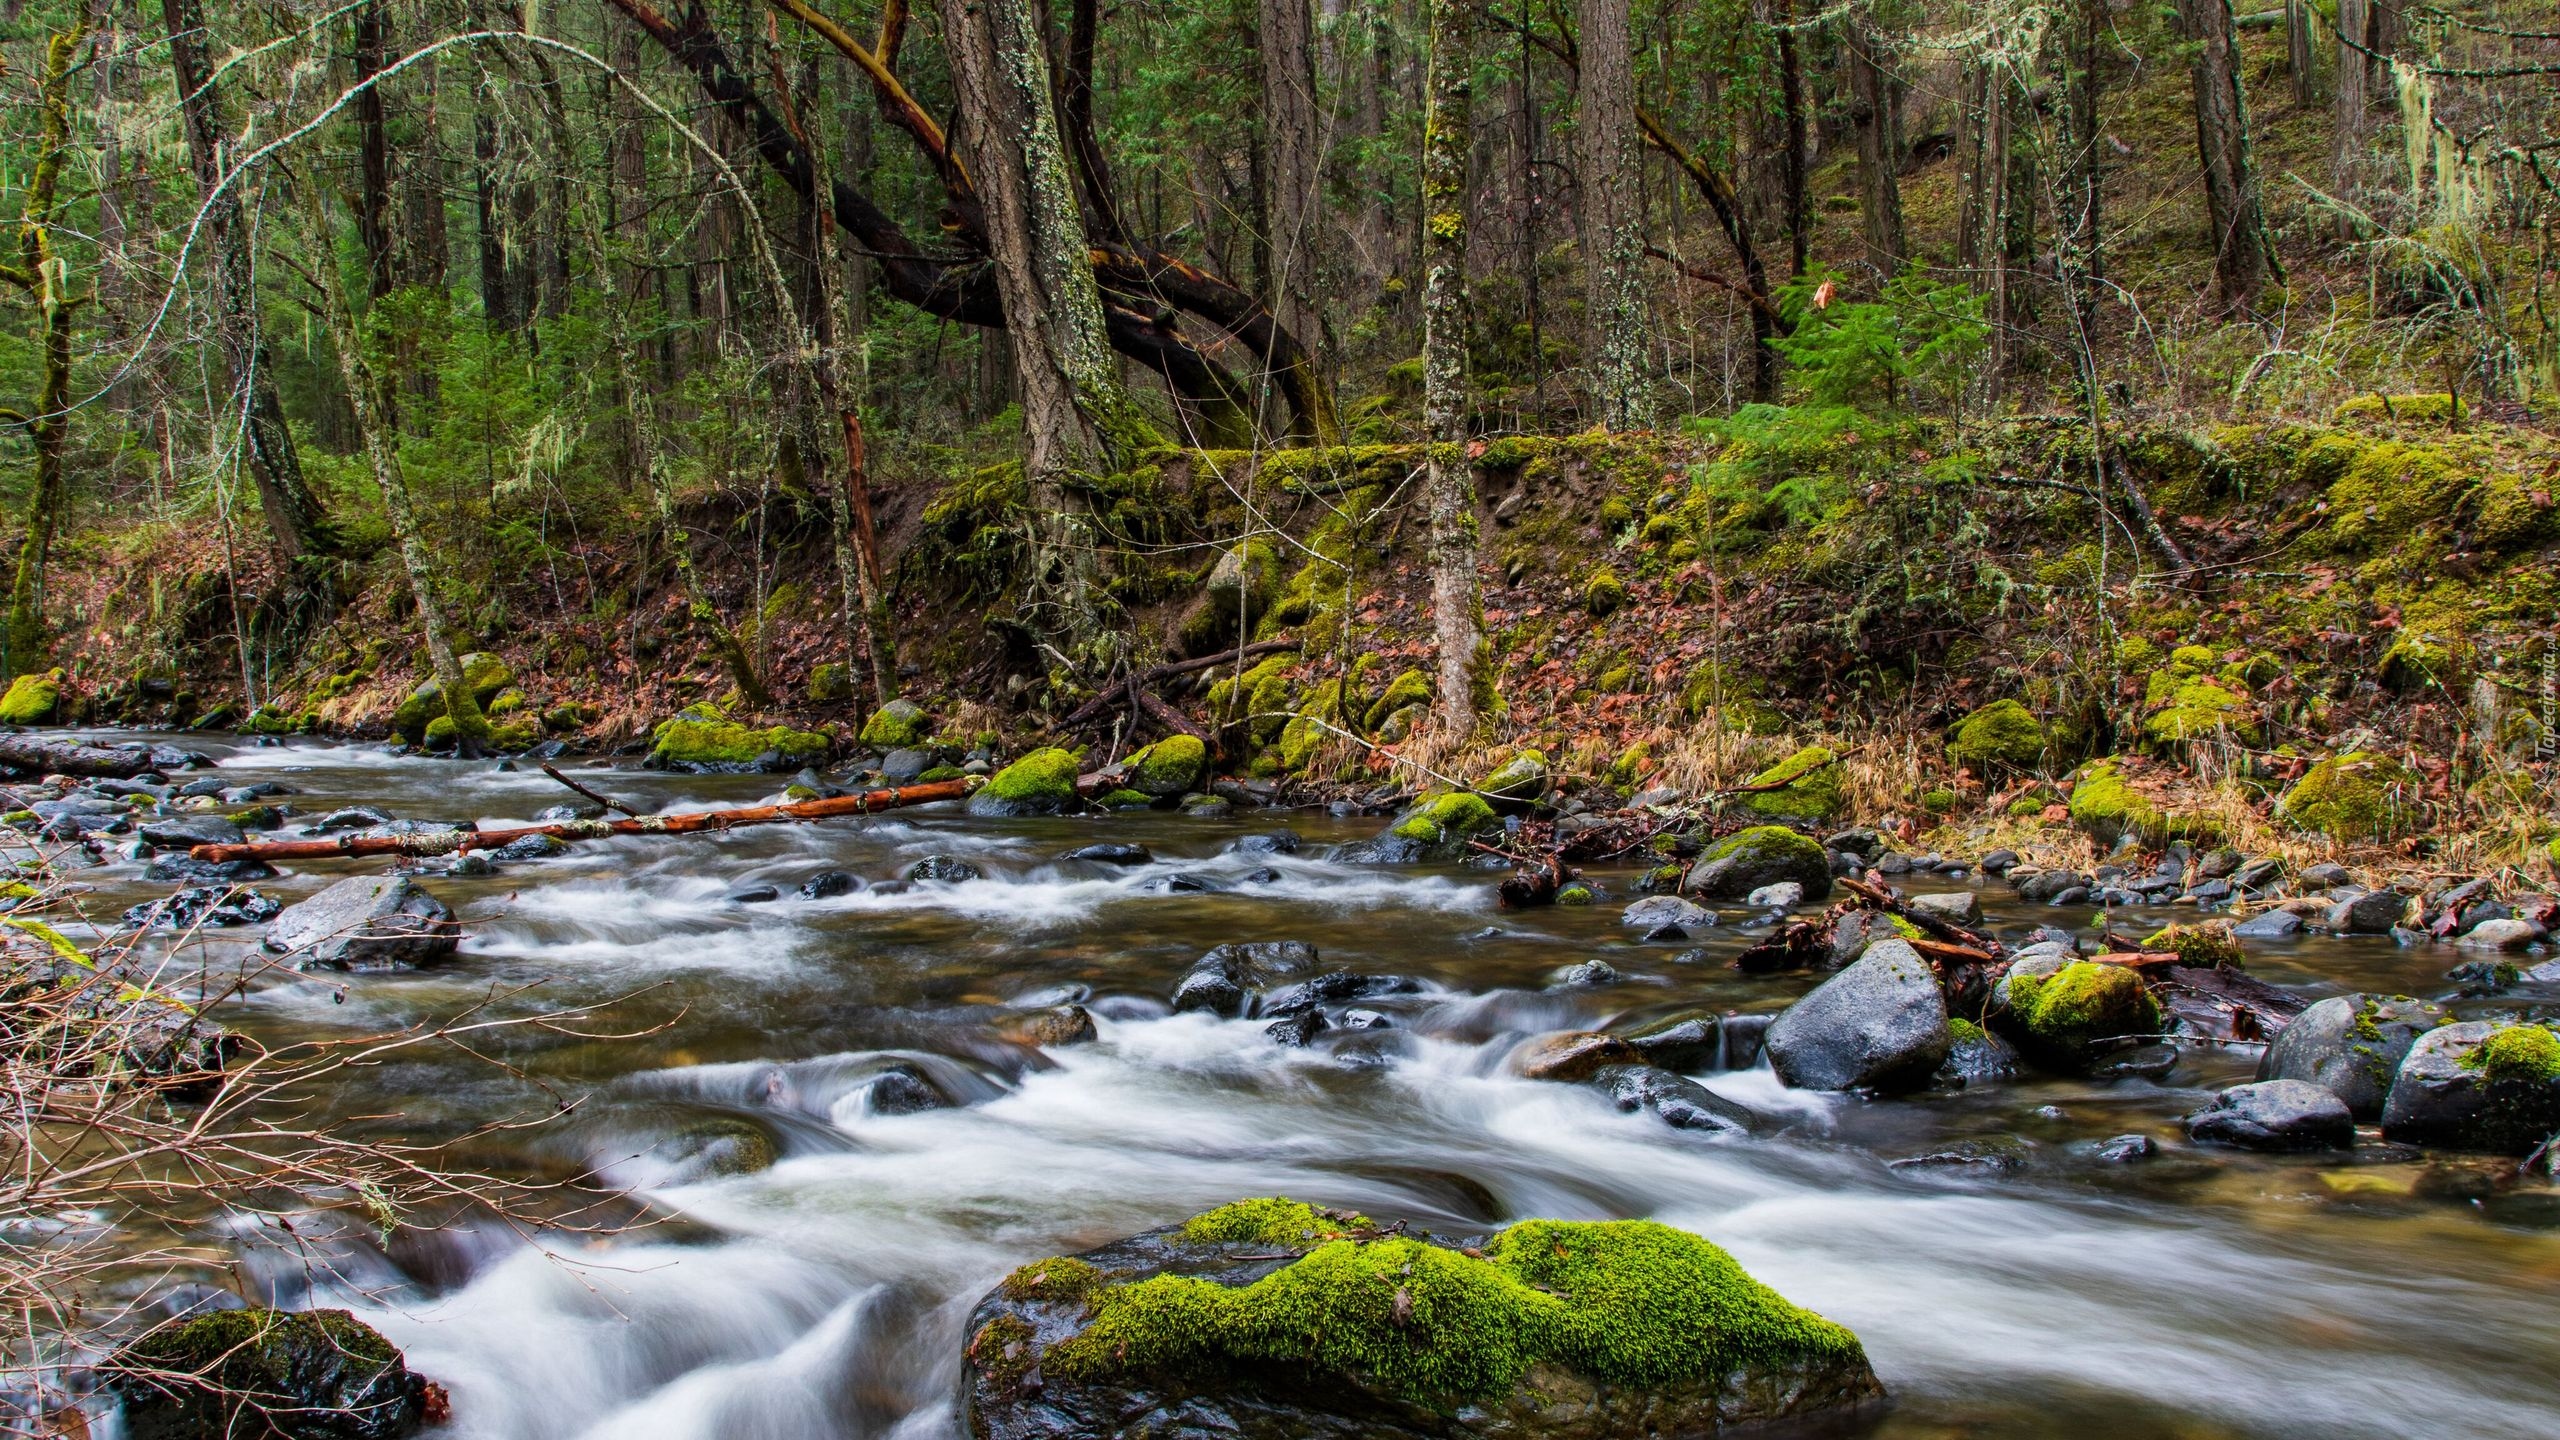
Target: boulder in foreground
[
  {"x": 1272, "y": 1320},
  {"x": 277, "y": 1375},
  {"x": 366, "y": 922}
]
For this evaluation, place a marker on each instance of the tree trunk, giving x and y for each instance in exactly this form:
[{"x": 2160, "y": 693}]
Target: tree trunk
[
  {"x": 1450, "y": 491},
  {"x": 1292, "y": 167},
  {"x": 2079, "y": 234},
  {"x": 293, "y": 514},
  {"x": 364, "y": 398},
  {"x": 2244, "y": 251},
  {"x": 44, "y": 276},
  {"x": 1080, "y": 419},
  {"x": 373, "y": 144},
  {"x": 1791, "y": 109},
  {"x": 1612, "y": 217},
  {"x": 2298, "y": 53},
  {"x": 1875, "y": 106},
  {"x": 2347, "y": 100}
]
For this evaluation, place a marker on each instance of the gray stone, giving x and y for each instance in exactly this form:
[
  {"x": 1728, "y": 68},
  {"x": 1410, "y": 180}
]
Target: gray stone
[
  {"x": 1654, "y": 911},
  {"x": 2500, "y": 935},
  {"x": 2447, "y": 1094},
  {"x": 1852, "y": 933},
  {"x": 901, "y": 767},
  {"x": 1784, "y": 895},
  {"x": 1589, "y": 975},
  {"x": 1879, "y": 1024},
  {"x": 950, "y": 869},
  {"x": 2276, "y": 1115},
  {"x": 828, "y": 884},
  {"x": 1956, "y": 907},
  {"x": 2351, "y": 1046},
  {"x": 1999, "y": 862},
  {"x": 366, "y": 922},
  {"x": 1679, "y": 1103},
  {"x": 1864, "y": 843},
  {"x": 2374, "y": 914},
  {"x": 1110, "y": 852},
  {"x": 2046, "y": 885},
  {"x": 2272, "y": 925},
  {"x": 2259, "y": 874},
  {"x": 2325, "y": 874}
]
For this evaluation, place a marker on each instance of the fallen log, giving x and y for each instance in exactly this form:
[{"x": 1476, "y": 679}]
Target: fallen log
[
  {"x": 2224, "y": 1004},
  {"x": 1948, "y": 931},
  {"x": 449, "y": 842},
  {"x": 1137, "y": 682},
  {"x": 70, "y": 757}
]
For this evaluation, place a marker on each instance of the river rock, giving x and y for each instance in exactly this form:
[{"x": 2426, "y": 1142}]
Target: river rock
[
  {"x": 1573, "y": 1055},
  {"x": 2374, "y": 914},
  {"x": 1111, "y": 852},
  {"x": 1048, "y": 1027},
  {"x": 1742, "y": 862},
  {"x": 2269, "y": 925},
  {"x": 1333, "y": 989},
  {"x": 2275, "y": 1115},
  {"x": 2500, "y": 935},
  {"x": 902, "y": 766},
  {"x": 1393, "y": 1337},
  {"x": 185, "y": 869},
  {"x": 1785, "y": 895},
  {"x": 903, "y": 1090},
  {"x": 1678, "y": 1103},
  {"x": 2351, "y": 1046},
  {"x": 314, "y": 1375},
  {"x": 2478, "y": 1085},
  {"x": 216, "y": 905},
  {"x": 949, "y": 869},
  {"x": 828, "y": 884},
  {"x": 1589, "y": 975},
  {"x": 2049, "y": 886},
  {"x": 1956, "y": 907},
  {"x": 1223, "y": 982},
  {"x": 1655, "y": 911},
  {"x": 1277, "y": 842},
  {"x": 1976, "y": 1057},
  {"x": 1852, "y": 933},
  {"x": 1299, "y": 1030},
  {"x": 185, "y": 832},
  {"x": 1879, "y": 1024},
  {"x": 2068, "y": 1018},
  {"x": 366, "y": 922}
]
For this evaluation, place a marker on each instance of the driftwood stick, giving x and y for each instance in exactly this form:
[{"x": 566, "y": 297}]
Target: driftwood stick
[
  {"x": 1138, "y": 681},
  {"x": 1172, "y": 719},
  {"x": 1944, "y": 930},
  {"x": 446, "y": 842},
  {"x": 70, "y": 757},
  {"x": 554, "y": 772}
]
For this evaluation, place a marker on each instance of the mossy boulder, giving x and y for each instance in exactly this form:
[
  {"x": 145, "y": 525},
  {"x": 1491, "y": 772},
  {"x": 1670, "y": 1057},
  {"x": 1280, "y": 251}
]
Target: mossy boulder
[
  {"x": 32, "y": 699},
  {"x": 2201, "y": 709},
  {"x": 700, "y": 744},
  {"x": 485, "y": 674},
  {"x": 1604, "y": 593},
  {"x": 2477, "y": 1085},
  {"x": 308, "y": 1375},
  {"x": 1762, "y": 855},
  {"x": 2108, "y": 803},
  {"x": 1516, "y": 783},
  {"x": 1438, "y": 826},
  {"x": 1808, "y": 786},
  {"x": 830, "y": 683},
  {"x": 2361, "y": 795},
  {"x": 1169, "y": 767},
  {"x": 2066, "y": 1018},
  {"x": 2209, "y": 946},
  {"x": 1040, "y": 783},
  {"x": 896, "y": 725},
  {"x": 2001, "y": 735},
  {"x": 1271, "y": 1320},
  {"x": 1410, "y": 688}
]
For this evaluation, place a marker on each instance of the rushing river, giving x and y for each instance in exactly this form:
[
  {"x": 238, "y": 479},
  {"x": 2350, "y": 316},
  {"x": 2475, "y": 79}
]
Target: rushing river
[{"x": 2058, "y": 1294}]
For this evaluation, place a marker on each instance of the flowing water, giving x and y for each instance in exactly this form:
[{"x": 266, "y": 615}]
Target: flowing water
[{"x": 2190, "y": 1295}]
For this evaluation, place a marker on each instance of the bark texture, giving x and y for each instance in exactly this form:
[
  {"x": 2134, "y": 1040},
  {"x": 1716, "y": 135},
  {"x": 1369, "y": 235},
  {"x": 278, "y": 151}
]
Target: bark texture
[
  {"x": 1450, "y": 492},
  {"x": 45, "y": 277},
  {"x": 2244, "y": 251},
  {"x": 1612, "y": 218},
  {"x": 1293, "y": 150},
  {"x": 1875, "y": 108}
]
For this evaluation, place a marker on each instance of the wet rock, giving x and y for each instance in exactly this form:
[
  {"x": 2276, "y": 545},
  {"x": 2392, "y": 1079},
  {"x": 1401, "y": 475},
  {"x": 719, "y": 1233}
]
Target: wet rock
[
  {"x": 1360, "y": 1019},
  {"x": 714, "y": 1148},
  {"x": 303, "y": 1375},
  {"x": 1654, "y": 911},
  {"x": 1998, "y": 862},
  {"x": 1745, "y": 1036},
  {"x": 901, "y": 767},
  {"x": 1298, "y": 1030},
  {"x": 1852, "y": 933},
  {"x": 2352, "y": 1046},
  {"x": 1979, "y": 1157},
  {"x": 213, "y": 905},
  {"x": 1205, "y": 807},
  {"x": 2049, "y": 886},
  {"x": 1049, "y": 1027},
  {"x": 1223, "y": 981},
  {"x": 2071, "y": 1018},
  {"x": 2479, "y": 979},
  {"x": 2125, "y": 1149},
  {"x": 536, "y": 846},
  {"x": 1762, "y": 855},
  {"x": 1260, "y": 875},
  {"x": 1678, "y": 1103},
  {"x": 2500, "y": 935},
  {"x": 2269, "y": 925},
  {"x": 1589, "y": 975},
  {"x": 1181, "y": 882},
  {"x": 1111, "y": 853},
  {"x": 1277, "y": 842},
  {"x": 1864, "y": 843},
  {"x": 1785, "y": 895},
  {"x": 1879, "y": 1024},
  {"x": 2478, "y": 1085},
  {"x": 2323, "y": 875},
  {"x": 1684, "y": 1046},
  {"x": 366, "y": 922},
  {"x": 1040, "y": 783},
  {"x": 904, "y": 1091},
  {"x": 828, "y": 884},
  {"x": 949, "y": 869},
  {"x": 1573, "y": 1055},
  {"x": 1976, "y": 1057},
  {"x": 1079, "y": 1349},
  {"x": 1333, "y": 989},
  {"x": 547, "y": 815},
  {"x": 358, "y": 817},
  {"x": 2275, "y": 1115},
  {"x": 1956, "y": 907},
  {"x": 752, "y": 895},
  {"x": 2375, "y": 914}
]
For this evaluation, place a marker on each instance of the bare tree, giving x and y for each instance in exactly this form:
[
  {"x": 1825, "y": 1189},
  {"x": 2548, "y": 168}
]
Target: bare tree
[
  {"x": 44, "y": 273},
  {"x": 1612, "y": 217},
  {"x": 2244, "y": 249},
  {"x": 1450, "y": 491}
]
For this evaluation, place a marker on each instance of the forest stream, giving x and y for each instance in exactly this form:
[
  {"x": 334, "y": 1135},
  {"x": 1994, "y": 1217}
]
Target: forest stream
[{"x": 2008, "y": 1278}]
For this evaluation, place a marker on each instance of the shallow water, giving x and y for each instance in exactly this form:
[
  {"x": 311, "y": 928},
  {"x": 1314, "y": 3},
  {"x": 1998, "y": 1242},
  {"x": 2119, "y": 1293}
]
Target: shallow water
[{"x": 2195, "y": 1294}]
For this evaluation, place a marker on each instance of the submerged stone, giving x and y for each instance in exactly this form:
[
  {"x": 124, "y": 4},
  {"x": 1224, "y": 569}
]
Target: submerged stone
[{"x": 309, "y": 1375}]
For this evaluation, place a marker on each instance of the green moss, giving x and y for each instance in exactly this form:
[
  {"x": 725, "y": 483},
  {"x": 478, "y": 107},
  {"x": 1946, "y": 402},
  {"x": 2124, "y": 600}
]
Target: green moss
[
  {"x": 1062, "y": 1277},
  {"x": 2360, "y": 795},
  {"x": 830, "y": 683},
  {"x": 1005, "y": 1348},
  {"x": 2003, "y": 733},
  {"x": 1965, "y": 1032},
  {"x": 1169, "y": 767},
  {"x": 485, "y": 674},
  {"x": 32, "y": 699},
  {"x": 2518, "y": 1052},
  {"x": 1437, "y": 819},
  {"x": 2082, "y": 1003},
  {"x": 1126, "y": 800},
  {"x": 686, "y": 742},
  {"x": 1938, "y": 801},
  {"x": 1412, "y": 687},
  {"x": 2210, "y": 945},
  {"x": 2417, "y": 662},
  {"x": 2423, "y": 409},
  {"x": 2108, "y": 807},
  {"x": 896, "y": 725},
  {"x": 1624, "y": 1302},
  {"x": 1631, "y": 766},
  {"x": 1275, "y": 1221},
  {"x": 2200, "y": 709},
  {"x": 1576, "y": 892},
  {"x": 1042, "y": 778},
  {"x": 1604, "y": 593},
  {"x": 1809, "y": 784},
  {"x": 1520, "y": 778}
]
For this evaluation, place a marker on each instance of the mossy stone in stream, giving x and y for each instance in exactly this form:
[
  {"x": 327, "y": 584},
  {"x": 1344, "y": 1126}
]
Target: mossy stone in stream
[
  {"x": 693, "y": 742},
  {"x": 2062, "y": 1017},
  {"x": 1762, "y": 855},
  {"x": 896, "y": 726},
  {"x": 32, "y": 699},
  {"x": 1169, "y": 767},
  {"x": 2002, "y": 734},
  {"x": 2361, "y": 795},
  {"x": 1808, "y": 784},
  {"x": 2201, "y": 709},
  {"x": 2209, "y": 946},
  {"x": 485, "y": 674},
  {"x": 1443, "y": 823},
  {"x": 1334, "y": 1329},
  {"x": 311, "y": 1375},
  {"x": 1040, "y": 783}
]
